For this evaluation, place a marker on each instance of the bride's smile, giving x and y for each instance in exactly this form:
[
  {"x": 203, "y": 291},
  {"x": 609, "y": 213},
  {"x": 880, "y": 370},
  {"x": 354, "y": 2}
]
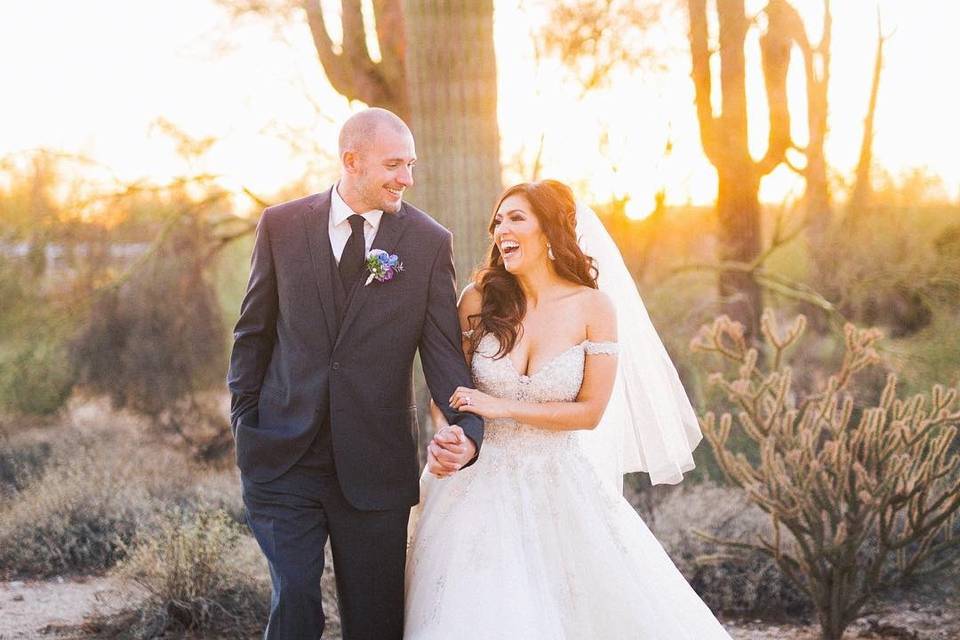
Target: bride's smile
[{"x": 518, "y": 235}]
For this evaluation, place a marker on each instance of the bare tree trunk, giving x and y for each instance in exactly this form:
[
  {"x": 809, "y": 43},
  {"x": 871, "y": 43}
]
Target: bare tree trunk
[
  {"x": 862, "y": 187},
  {"x": 832, "y": 623},
  {"x": 816, "y": 62},
  {"x": 817, "y": 205},
  {"x": 452, "y": 85}
]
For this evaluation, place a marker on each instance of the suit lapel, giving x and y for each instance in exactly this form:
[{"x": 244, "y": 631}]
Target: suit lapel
[
  {"x": 391, "y": 228},
  {"x": 315, "y": 219}
]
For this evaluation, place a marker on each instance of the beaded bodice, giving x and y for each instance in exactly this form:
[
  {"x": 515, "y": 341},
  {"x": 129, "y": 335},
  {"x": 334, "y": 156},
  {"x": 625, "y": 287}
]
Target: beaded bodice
[{"x": 558, "y": 380}]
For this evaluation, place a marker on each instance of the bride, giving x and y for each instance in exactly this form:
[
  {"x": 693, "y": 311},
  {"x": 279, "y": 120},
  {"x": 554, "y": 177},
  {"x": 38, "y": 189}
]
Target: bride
[{"x": 535, "y": 540}]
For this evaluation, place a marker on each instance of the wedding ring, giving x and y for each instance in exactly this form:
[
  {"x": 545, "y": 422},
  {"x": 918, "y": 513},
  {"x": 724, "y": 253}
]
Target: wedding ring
[{"x": 466, "y": 400}]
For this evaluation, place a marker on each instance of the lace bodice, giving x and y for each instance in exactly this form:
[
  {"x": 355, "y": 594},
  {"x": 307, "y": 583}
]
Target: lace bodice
[
  {"x": 558, "y": 380},
  {"x": 533, "y": 533}
]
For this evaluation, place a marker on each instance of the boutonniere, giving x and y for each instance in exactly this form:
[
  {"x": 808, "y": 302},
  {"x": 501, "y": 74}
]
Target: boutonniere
[{"x": 382, "y": 266}]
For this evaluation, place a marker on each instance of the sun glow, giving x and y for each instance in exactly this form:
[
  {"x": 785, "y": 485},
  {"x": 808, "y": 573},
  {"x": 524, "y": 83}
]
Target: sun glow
[{"x": 81, "y": 84}]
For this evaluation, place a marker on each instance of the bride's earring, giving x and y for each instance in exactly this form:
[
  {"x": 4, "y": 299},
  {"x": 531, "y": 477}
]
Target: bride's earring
[{"x": 550, "y": 252}]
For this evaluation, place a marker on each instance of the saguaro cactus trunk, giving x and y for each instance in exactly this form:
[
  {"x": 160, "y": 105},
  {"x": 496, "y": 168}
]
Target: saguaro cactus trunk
[
  {"x": 452, "y": 88},
  {"x": 724, "y": 138}
]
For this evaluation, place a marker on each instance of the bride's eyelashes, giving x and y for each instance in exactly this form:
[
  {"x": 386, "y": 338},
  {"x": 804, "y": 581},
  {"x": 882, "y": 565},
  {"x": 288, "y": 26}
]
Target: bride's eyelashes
[{"x": 515, "y": 216}]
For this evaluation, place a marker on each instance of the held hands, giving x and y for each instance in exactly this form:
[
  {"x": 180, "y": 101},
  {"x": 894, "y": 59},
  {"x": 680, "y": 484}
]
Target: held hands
[{"x": 449, "y": 450}]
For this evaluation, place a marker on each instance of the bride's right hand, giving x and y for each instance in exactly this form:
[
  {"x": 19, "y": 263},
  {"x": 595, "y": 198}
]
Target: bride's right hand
[
  {"x": 449, "y": 450},
  {"x": 434, "y": 466}
]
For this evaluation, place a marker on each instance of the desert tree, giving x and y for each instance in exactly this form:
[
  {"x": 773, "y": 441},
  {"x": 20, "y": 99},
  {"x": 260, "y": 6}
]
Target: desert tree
[
  {"x": 861, "y": 193},
  {"x": 816, "y": 64}
]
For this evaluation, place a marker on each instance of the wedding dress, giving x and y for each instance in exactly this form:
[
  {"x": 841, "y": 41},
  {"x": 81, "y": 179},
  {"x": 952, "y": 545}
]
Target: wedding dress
[{"x": 530, "y": 543}]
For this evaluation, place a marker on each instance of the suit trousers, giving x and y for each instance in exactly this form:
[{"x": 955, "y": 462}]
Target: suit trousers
[{"x": 292, "y": 517}]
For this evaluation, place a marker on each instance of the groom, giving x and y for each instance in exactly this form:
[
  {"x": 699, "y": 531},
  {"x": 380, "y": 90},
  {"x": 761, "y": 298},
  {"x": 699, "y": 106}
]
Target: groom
[{"x": 321, "y": 383}]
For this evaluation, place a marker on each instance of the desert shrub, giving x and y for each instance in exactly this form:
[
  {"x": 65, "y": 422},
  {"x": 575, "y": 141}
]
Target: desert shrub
[
  {"x": 19, "y": 464},
  {"x": 743, "y": 584},
  {"x": 156, "y": 341},
  {"x": 191, "y": 567},
  {"x": 76, "y": 500},
  {"x": 35, "y": 377},
  {"x": 71, "y": 497},
  {"x": 74, "y": 518},
  {"x": 15, "y": 292},
  {"x": 158, "y": 336},
  {"x": 218, "y": 491},
  {"x": 903, "y": 292},
  {"x": 867, "y": 491}
]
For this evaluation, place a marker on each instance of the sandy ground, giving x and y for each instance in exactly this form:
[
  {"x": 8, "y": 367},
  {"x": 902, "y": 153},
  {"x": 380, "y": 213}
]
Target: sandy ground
[
  {"x": 56, "y": 608},
  {"x": 41, "y": 608}
]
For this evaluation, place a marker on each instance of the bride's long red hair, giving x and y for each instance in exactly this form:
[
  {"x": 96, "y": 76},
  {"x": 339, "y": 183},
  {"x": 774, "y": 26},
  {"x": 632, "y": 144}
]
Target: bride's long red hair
[{"x": 503, "y": 305}]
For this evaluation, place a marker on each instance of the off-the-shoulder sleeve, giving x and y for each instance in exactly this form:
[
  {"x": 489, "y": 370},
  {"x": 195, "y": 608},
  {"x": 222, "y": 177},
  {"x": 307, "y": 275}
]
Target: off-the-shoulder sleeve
[{"x": 604, "y": 348}]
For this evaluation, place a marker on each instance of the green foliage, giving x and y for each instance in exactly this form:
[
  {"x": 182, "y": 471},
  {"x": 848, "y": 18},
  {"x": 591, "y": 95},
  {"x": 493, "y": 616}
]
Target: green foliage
[
  {"x": 36, "y": 380},
  {"x": 13, "y": 293},
  {"x": 593, "y": 39},
  {"x": 146, "y": 331},
  {"x": 231, "y": 271},
  {"x": 895, "y": 269}
]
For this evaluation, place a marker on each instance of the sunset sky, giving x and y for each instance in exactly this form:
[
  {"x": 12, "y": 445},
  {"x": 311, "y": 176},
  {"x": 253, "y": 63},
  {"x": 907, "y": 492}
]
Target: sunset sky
[{"x": 93, "y": 78}]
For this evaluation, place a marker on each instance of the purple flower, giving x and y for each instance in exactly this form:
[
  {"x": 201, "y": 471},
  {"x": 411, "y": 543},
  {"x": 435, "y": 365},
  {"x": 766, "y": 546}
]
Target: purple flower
[{"x": 382, "y": 266}]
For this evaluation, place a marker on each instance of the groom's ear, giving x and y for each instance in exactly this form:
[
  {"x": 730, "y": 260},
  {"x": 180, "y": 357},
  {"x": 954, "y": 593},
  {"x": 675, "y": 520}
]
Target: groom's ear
[{"x": 349, "y": 160}]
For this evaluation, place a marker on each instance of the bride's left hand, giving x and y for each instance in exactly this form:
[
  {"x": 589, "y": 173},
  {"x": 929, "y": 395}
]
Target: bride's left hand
[{"x": 478, "y": 402}]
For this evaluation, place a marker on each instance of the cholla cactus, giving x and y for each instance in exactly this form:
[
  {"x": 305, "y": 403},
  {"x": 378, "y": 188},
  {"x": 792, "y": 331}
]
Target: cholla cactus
[{"x": 866, "y": 501}]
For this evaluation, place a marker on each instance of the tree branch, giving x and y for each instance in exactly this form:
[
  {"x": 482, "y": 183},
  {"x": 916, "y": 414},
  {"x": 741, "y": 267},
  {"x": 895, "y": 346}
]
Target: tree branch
[
  {"x": 700, "y": 55},
  {"x": 391, "y": 35},
  {"x": 336, "y": 66},
  {"x": 353, "y": 73},
  {"x": 775, "y": 46}
]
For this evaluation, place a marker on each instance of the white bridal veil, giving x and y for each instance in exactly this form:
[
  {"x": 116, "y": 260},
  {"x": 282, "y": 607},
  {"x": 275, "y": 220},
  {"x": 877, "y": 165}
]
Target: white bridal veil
[{"x": 649, "y": 424}]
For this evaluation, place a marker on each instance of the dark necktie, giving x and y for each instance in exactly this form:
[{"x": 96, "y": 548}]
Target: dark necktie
[{"x": 352, "y": 258}]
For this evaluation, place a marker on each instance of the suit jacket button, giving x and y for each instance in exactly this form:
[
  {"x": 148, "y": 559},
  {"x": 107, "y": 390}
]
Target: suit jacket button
[{"x": 336, "y": 365}]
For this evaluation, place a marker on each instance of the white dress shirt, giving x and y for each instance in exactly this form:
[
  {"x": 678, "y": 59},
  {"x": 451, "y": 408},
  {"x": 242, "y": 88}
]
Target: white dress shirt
[{"x": 339, "y": 225}]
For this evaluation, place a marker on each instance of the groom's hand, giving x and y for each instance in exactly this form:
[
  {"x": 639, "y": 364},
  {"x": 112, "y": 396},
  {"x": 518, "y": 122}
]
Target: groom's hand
[{"x": 449, "y": 450}]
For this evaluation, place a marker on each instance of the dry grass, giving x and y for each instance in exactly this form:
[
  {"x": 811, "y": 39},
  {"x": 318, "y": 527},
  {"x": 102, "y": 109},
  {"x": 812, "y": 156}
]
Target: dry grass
[
  {"x": 101, "y": 493},
  {"x": 746, "y": 585},
  {"x": 199, "y": 576},
  {"x": 72, "y": 497},
  {"x": 75, "y": 516}
]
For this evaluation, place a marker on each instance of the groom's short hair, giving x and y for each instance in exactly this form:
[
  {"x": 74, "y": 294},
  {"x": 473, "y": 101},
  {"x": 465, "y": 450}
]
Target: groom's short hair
[{"x": 361, "y": 127}]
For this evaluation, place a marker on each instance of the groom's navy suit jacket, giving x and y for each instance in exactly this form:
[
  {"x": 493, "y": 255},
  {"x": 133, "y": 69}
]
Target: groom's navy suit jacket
[{"x": 307, "y": 351}]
